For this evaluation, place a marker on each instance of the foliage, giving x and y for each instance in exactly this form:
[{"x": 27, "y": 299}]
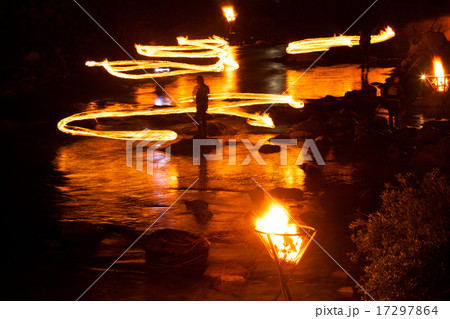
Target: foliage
[{"x": 405, "y": 245}]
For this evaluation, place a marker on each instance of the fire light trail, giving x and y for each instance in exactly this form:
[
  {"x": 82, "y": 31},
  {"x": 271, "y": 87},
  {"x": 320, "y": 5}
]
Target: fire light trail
[
  {"x": 230, "y": 104},
  {"x": 323, "y": 44},
  {"x": 214, "y": 47}
]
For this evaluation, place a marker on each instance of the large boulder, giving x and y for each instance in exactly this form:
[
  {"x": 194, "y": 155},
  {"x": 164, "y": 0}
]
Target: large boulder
[
  {"x": 177, "y": 251},
  {"x": 433, "y": 131}
]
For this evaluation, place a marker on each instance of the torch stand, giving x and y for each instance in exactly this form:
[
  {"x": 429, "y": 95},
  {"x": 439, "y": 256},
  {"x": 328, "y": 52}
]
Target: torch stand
[
  {"x": 440, "y": 86},
  {"x": 287, "y": 265}
]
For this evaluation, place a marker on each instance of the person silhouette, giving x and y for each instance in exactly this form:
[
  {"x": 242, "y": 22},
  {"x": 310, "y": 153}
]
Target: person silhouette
[{"x": 200, "y": 95}]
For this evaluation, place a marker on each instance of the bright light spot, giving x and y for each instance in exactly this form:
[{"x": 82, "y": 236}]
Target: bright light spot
[{"x": 228, "y": 12}]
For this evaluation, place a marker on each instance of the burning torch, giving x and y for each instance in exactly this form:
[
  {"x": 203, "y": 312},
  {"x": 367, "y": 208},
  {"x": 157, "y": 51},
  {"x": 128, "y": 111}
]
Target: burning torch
[
  {"x": 286, "y": 243},
  {"x": 230, "y": 16}
]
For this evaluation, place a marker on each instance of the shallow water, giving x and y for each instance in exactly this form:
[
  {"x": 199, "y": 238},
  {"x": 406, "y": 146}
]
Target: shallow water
[{"x": 100, "y": 188}]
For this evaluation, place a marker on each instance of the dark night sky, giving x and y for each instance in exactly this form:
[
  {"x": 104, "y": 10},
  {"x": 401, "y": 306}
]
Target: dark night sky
[{"x": 49, "y": 26}]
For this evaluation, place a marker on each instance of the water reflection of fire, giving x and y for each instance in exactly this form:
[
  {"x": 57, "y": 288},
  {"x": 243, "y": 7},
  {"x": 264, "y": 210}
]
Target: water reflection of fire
[
  {"x": 229, "y": 104},
  {"x": 283, "y": 235},
  {"x": 323, "y": 44},
  {"x": 214, "y": 47}
]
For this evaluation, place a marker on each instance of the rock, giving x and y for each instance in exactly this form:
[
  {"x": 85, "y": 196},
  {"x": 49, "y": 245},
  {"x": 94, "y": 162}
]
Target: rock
[
  {"x": 177, "y": 251},
  {"x": 432, "y": 155},
  {"x": 342, "y": 122},
  {"x": 185, "y": 147},
  {"x": 212, "y": 129},
  {"x": 339, "y": 199},
  {"x": 311, "y": 128},
  {"x": 433, "y": 131},
  {"x": 287, "y": 193},
  {"x": 269, "y": 149},
  {"x": 200, "y": 210}
]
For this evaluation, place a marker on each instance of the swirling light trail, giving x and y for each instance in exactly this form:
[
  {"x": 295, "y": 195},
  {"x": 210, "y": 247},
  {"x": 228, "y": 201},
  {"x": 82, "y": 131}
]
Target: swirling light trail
[
  {"x": 323, "y": 44},
  {"x": 214, "y": 47},
  {"x": 230, "y": 105}
]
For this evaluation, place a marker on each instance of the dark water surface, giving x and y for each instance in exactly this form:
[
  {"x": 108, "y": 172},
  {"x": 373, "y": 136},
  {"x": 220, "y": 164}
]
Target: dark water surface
[{"x": 96, "y": 186}]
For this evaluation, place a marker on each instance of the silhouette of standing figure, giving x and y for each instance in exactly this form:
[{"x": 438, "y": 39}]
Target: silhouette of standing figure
[{"x": 200, "y": 94}]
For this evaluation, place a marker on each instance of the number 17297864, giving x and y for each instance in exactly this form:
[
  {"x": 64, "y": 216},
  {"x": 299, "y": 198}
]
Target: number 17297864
[{"x": 407, "y": 310}]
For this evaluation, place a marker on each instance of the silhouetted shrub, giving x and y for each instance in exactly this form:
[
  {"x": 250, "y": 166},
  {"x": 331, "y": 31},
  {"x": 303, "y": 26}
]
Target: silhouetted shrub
[{"x": 405, "y": 245}]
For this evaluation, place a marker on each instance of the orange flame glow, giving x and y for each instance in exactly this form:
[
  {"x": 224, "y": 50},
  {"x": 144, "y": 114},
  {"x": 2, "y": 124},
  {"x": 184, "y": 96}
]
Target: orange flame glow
[
  {"x": 277, "y": 222},
  {"x": 323, "y": 44},
  {"x": 229, "y": 13},
  {"x": 440, "y": 81},
  {"x": 214, "y": 47},
  {"x": 222, "y": 103}
]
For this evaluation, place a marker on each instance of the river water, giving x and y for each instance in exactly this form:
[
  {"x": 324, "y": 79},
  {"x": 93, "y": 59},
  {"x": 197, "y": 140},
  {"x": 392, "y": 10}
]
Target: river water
[{"x": 100, "y": 188}]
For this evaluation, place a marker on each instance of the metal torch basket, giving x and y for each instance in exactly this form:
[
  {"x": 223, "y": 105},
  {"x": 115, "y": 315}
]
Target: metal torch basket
[
  {"x": 440, "y": 85},
  {"x": 286, "y": 265}
]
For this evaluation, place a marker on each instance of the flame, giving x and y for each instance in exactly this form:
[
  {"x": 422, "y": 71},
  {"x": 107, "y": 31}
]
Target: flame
[
  {"x": 214, "y": 47},
  {"x": 222, "y": 103},
  {"x": 276, "y": 222},
  {"x": 261, "y": 120},
  {"x": 323, "y": 44},
  {"x": 229, "y": 13},
  {"x": 440, "y": 81}
]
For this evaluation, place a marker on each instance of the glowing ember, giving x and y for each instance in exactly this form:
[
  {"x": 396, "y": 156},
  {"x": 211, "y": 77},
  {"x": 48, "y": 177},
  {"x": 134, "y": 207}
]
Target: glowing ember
[
  {"x": 323, "y": 44},
  {"x": 222, "y": 103},
  {"x": 440, "y": 81},
  {"x": 283, "y": 234},
  {"x": 228, "y": 12},
  {"x": 214, "y": 47}
]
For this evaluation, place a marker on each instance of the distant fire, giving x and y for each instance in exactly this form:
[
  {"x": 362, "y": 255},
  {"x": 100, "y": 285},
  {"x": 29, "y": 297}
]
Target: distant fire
[
  {"x": 323, "y": 44},
  {"x": 283, "y": 234},
  {"x": 229, "y": 13},
  {"x": 441, "y": 81},
  {"x": 222, "y": 103},
  {"x": 214, "y": 47}
]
